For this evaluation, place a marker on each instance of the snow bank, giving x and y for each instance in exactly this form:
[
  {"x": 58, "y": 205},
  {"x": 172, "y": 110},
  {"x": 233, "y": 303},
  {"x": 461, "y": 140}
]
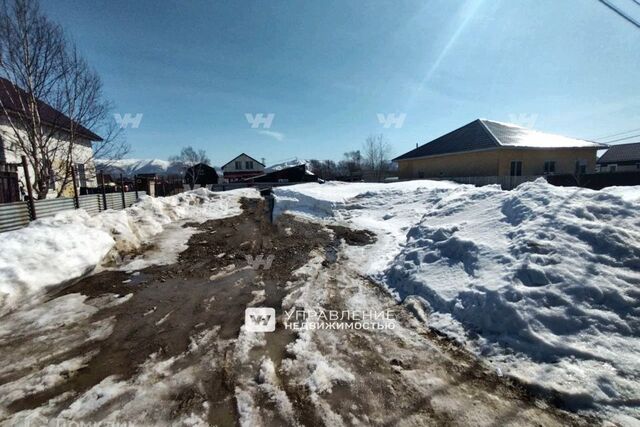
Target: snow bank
[
  {"x": 53, "y": 250},
  {"x": 322, "y": 200},
  {"x": 543, "y": 281}
]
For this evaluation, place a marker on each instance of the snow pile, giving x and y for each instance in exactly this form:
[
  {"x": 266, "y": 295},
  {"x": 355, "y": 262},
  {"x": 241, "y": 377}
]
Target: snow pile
[
  {"x": 53, "y": 250},
  {"x": 543, "y": 281},
  {"x": 324, "y": 200}
]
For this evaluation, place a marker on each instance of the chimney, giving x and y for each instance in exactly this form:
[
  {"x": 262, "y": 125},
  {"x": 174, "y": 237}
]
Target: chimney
[
  {"x": 416, "y": 145},
  {"x": 263, "y": 161}
]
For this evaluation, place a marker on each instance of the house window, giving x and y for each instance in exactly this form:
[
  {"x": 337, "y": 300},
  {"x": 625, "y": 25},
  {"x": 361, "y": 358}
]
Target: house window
[
  {"x": 52, "y": 179},
  {"x": 637, "y": 165},
  {"x": 3, "y": 159},
  {"x": 516, "y": 168},
  {"x": 613, "y": 168},
  {"x": 238, "y": 165},
  {"x": 581, "y": 167},
  {"x": 248, "y": 165},
  {"x": 82, "y": 175},
  {"x": 549, "y": 167}
]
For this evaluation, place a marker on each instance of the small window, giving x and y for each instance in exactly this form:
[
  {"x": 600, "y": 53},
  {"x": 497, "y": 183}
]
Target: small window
[
  {"x": 52, "y": 179},
  {"x": 248, "y": 165},
  {"x": 238, "y": 165},
  {"x": 549, "y": 167},
  {"x": 637, "y": 165},
  {"x": 516, "y": 168},
  {"x": 613, "y": 168},
  {"x": 581, "y": 167},
  {"x": 82, "y": 175}
]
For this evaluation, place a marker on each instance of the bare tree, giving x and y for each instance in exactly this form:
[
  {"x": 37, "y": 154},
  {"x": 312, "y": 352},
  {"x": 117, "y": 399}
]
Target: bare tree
[
  {"x": 191, "y": 160},
  {"x": 376, "y": 155},
  {"x": 51, "y": 97},
  {"x": 324, "y": 169},
  {"x": 83, "y": 102},
  {"x": 352, "y": 164}
]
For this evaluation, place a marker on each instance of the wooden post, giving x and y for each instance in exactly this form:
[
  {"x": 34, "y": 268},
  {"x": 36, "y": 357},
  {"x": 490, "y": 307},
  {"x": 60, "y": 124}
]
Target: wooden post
[
  {"x": 32, "y": 205},
  {"x": 124, "y": 203},
  {"x": 104, "y": 195},
  {"x": 76, "y": 201},
  {"x": 135, "y": 185}
]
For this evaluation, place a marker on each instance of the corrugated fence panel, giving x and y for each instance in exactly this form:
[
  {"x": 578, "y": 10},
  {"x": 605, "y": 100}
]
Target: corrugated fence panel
[
  {"x": 91, "y": 203},
  {"x": 129, "y": 198},
  {"x": 16, "y": 215},
  {"x": 13, "y": 216},
  {"x": 50, "y": 207},
  {"x": 114, "y": 201}
]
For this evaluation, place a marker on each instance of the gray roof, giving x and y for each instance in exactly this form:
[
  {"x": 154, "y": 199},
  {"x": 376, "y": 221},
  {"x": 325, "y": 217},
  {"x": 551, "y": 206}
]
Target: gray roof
[
  {"x": 482, "y": 134},
  {"x": 621, "y": 153}
]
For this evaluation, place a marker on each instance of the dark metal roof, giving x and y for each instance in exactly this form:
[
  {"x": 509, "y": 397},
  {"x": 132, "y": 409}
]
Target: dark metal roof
[
  {"x": 621, "y": 153},
  {"x": 10, "y": 96},
  {"x": 482, "y": 134}
]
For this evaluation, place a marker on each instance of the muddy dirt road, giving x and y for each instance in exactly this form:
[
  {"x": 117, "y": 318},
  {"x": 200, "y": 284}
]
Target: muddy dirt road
[{"x": 166, "y": 345}]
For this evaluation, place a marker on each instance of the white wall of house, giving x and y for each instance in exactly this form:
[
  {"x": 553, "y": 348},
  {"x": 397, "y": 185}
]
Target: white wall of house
[
  {"x": 243, "y": 163},
  {"x": 82, "y": 154}
]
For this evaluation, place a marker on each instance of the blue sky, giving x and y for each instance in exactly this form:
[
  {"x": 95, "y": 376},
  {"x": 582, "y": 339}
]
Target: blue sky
[{"x": 326, "y": 69}]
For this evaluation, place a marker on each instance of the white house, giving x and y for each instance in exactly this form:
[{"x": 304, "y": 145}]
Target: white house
[
  {"x": 242, "y": 167},
  {"x": 621, "y": 158},
  {"x": 12, "y": 175}
]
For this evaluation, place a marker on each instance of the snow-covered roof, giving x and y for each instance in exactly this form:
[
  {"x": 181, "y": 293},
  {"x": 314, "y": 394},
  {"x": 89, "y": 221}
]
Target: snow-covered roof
[
  {"x": 286, "y": 164},
  {"x": 510, "y": 135},
  {"x": 483, "y": 134}
]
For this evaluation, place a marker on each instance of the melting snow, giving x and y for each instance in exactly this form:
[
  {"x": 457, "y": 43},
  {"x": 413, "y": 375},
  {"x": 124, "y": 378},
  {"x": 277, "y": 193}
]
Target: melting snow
[{"x": 542, "y": 280}]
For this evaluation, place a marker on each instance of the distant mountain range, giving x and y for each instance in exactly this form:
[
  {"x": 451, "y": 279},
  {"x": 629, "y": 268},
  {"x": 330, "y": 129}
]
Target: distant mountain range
[{"x": 129, "y": 167}]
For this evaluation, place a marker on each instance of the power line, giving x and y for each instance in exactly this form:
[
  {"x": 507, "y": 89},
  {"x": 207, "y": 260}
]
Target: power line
[
  {"x": 616, "y": 134},
  {"x": 621, "y": 139},
  {"x": 619, "y": 12}
]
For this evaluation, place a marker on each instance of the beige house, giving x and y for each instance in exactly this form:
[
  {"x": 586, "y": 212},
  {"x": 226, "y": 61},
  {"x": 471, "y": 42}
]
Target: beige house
[
  {"x": 242, "y": 167},
  {"x": 485, "y": 148}
]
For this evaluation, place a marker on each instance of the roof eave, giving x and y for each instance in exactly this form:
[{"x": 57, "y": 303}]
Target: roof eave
[{"x": 500, "y": 147}]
